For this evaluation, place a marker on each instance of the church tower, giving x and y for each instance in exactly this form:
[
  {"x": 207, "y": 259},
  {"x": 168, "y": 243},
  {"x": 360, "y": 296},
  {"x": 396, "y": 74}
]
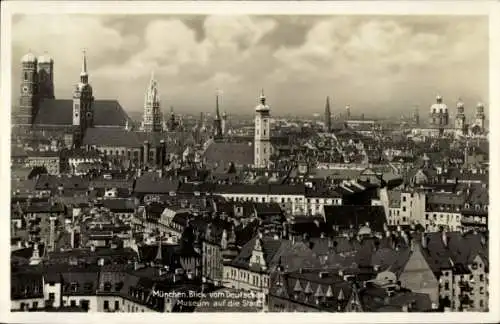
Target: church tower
[
  {"x": 328, "y": 116},
  {"x": 224, "y": 124},
  {"x": 480, "y": 116},
  {"x": 416, "y": 117},
  {"x": 262, "y": 139},
  {"x": 439, "y": 113},
  {"x": 83, "y": 99},
  {"x": 460, "y": 118},
  {"x": 217, "y": 119},
  {"x": 152, "y": 119},
  {"x": 46, "y": 77},
  {"x": 29, "y": 90}
]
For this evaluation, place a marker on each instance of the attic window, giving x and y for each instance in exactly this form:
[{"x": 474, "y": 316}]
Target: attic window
[{"x": 107, "y": 286}]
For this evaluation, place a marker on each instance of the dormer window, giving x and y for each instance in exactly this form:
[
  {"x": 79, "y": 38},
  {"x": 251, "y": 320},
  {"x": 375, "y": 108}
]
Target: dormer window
[{"x": 107, "y": 286}]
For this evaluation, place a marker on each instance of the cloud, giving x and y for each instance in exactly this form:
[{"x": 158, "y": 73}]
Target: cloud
[{"x": 387, "y": 63}]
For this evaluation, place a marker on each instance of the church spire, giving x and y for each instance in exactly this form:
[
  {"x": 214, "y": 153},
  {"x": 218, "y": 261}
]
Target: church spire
[
  {"x": 217, "y": 119},
  {"x": 262, "y": 96},
  {"x": 217, "y": 111},
  {"x": 83, "y": 75},
  {"x": 328, "y": 115}
]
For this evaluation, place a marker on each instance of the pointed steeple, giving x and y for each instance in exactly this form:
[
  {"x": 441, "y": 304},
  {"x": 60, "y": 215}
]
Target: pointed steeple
[
  {"x": 217, "y": 111},
  {"x": 159, "y": 256},
  {"x": 217, "y": 119},
  {"x": 262, "y": 96},
  {"x": 328, "y": 115},
  {"x": 83, "y": 75}
]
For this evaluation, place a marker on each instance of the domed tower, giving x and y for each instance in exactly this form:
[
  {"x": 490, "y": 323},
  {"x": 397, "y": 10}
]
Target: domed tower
[
  {"x": 83, "y": 99},
  {"x": 460, "y": 118},
  {"x": 480, "y": 116},
  {"x": 152, "y": 118},
  {"x": 262, "y": 133},
  {"x": 439, "y": 113},
  {"x": 29, "y": 90},
  {"x": 46, "y": 76},
  {"x": 348, "y": 112}
]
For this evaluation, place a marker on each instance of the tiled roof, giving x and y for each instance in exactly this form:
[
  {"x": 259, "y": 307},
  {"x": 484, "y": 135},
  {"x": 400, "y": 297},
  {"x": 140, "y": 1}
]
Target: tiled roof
[
  {"x": 60, "y": 111},
  {"x": 263, "y": 189},
  {"x": 237, "y": 153},
  {"x": 114, "y": 137},
  {"x": 293, "y": 254},
  {"x": 328, "y": 293},
  {"x": 151, "y": 183},
  {"x": 356, "y": 216},
  {"x": 52, "y": 182},
  {"x": 119, "y": 205}
]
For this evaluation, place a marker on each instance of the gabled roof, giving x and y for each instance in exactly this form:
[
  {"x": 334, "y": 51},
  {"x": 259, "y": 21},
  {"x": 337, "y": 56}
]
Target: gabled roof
[
  {"x": 151, "y": 183},
  {"x": 60, "y": 111},
  {"x": 357, "y": 216},
  {"x": 237, "y": 153}
]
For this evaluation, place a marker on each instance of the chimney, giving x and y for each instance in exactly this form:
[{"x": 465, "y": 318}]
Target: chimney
[{"x": 145, "y": 156}]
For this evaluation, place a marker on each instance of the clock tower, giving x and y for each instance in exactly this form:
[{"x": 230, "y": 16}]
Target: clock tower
[
  {"x": 262, "y": 142},
  {"x": 29, "y": 89}
]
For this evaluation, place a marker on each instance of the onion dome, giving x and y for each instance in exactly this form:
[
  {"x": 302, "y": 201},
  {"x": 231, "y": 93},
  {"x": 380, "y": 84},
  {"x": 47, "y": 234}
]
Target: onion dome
[
  {"x": 29, "y": 58},
  {"x": 439, "y": 98},
  {"x": 262, "y": 106}
]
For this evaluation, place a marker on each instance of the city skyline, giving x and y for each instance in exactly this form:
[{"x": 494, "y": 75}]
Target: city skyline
[{"x": 298, "y": 60}]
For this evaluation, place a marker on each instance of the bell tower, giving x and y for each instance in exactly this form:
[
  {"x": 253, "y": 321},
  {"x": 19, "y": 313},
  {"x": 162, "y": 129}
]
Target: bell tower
[
  {"x": 480, "y": 116},
  {"x": 29, "y": 90},
  {"x": 46, "y": 76},
  {"x": 460, "y": 118},
  {"x": 262, "y": 139},
  {"x": 217, "y": 119},
  {"x": 83, "y": 99},
  {"x": 328, "y": 116}
]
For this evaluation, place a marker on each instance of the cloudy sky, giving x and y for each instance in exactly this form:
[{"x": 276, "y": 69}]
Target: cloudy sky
[{"x": 377, "y": 65}]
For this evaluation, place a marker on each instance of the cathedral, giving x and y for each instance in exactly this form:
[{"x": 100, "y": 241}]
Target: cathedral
[
  {"x": 439, "y": 121},
  {"x": 41, "y": 114}
]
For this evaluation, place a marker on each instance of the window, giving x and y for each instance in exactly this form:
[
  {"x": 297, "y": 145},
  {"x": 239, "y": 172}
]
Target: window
[
  {"x": 481, "y": 290},
  {"x": 481, "y": 277},
  {"x": 426, "y": 216},
  {"x": 35, "y": 305},
  {"x": 52, "y": 296},
  {"x": 25, "y": 76},
  {"x": 404, "y": 198},
  {"x": 73, "y": 303},
  {"x": 106, "y": 305},
  {"x": 404, "y": 208},
  {"x": 446, "y": 285},
  {"x": 481, "y": 303}
]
